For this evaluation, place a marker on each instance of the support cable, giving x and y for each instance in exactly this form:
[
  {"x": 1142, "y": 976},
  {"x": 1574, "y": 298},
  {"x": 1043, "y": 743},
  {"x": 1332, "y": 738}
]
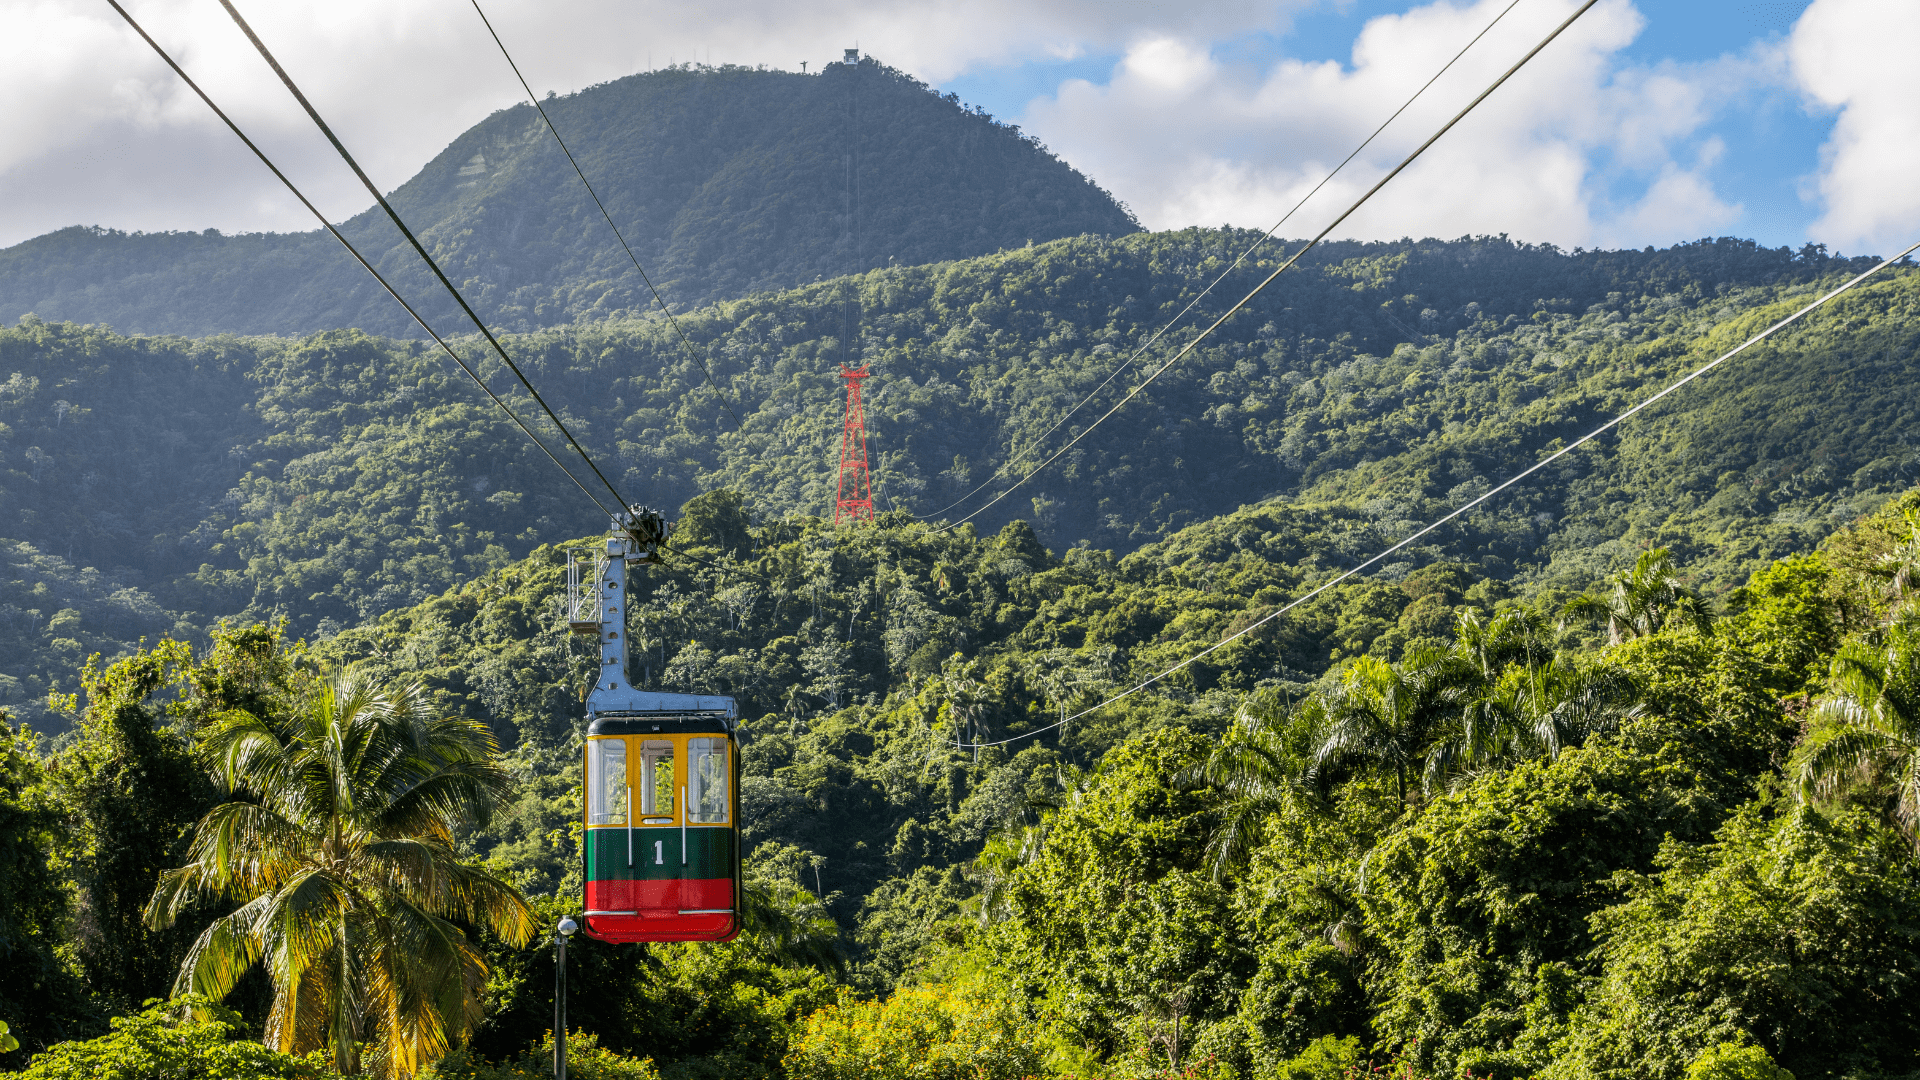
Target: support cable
[
  {"x": 1257, "y": 289},
  {"x": 740, "y": 571},
  {"x": 351, "y": 250},
  {"x": 419, "y": 248},
  {"x": 697, "y": 354},
  {"x": 1463, "y": 509},
  {"x": 1012, "y": 456}
]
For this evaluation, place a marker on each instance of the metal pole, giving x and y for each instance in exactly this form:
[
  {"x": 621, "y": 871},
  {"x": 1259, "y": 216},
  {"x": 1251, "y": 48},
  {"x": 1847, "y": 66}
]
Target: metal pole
[{"x": 565, "y": 930}]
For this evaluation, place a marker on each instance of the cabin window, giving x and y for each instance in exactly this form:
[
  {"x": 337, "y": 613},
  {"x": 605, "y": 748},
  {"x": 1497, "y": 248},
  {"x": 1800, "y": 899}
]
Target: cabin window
[
  {"x": 656, "y": 778},
  {"x": 707, "y": 780},
  {"x": 607, "y": 782}
]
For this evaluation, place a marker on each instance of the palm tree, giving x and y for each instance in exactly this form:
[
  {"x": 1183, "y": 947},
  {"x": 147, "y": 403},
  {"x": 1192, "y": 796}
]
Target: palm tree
[
  {"x": 1903, "y": 562},
  {"x": 1020, "y": 843},
  {"x": 994, "y": 870},
  {"x": 339, "y": 849},
  {"x": 966, "y": 703},
  {"x": 1643, "y": 600},
  {"x": 1868, "y": 723},
  {"x": 1515, "y": 635},
  {"x": 786, "y": 923},
  {"x": 1257, "y": 766},
  {"x": 1531, "y": 710},
  {"x": 1388, "y": 714}
]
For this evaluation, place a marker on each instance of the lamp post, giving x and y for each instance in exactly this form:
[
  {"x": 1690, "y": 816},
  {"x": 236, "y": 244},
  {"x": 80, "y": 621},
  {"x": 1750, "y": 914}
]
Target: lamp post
[{"x": 564, "y": 931}]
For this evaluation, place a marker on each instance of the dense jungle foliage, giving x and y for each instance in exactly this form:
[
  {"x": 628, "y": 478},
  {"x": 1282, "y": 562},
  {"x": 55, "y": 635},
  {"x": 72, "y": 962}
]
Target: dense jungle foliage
[
  {"x": 1425, "y": 822},
  {"x": 151, "y": 486},
  {"x": 725, "y": 181}
]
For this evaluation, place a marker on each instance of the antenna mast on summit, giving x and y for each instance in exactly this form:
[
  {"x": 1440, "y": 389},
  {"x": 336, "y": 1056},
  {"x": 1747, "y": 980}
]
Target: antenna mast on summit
[{"x": 854, "y": 500}]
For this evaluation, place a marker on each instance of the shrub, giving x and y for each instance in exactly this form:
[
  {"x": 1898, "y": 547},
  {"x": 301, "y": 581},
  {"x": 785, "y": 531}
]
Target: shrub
[
  {"x": 1731, "y": 1061},
  {"x": 157, "y": 1045},
  {"x": 586, "y": 1060},
  {"x": 922, "y": 1033},
  {"x": 1329, "y": 1057}
]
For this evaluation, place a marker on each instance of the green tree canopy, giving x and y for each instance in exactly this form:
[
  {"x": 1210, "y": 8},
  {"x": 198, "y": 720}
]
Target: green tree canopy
[{"x": 342, "y": 860}]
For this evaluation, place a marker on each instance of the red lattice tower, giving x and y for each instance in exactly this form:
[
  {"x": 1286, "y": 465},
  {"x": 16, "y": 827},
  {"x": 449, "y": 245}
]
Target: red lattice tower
[{"x": 855, "y": 498}]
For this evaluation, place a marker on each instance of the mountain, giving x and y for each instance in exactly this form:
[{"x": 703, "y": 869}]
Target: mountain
[
  {"x": 153, "y": 485},
  {"x": 724, "y": 180}
]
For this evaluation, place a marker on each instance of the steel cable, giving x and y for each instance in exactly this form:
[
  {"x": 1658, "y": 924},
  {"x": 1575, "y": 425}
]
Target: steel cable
[
  {"x": 418, "y": 248},
  {"x": 1257, "y": 289},
  {"x": 351, "y": 250},
  {"x": 1014, "y": 455},
  {"x": 664, "y": 310},
  {"x": 1462, "y": 509}
]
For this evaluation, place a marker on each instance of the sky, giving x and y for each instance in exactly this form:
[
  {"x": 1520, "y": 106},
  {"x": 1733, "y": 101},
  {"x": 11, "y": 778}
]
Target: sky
[{"x": 1648, "y": 122}]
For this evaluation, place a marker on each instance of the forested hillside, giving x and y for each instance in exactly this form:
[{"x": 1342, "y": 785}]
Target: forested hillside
[
  {"x": 1416, "y": 826},
  {"x": 159, "y": 484},
  {"x": 724, "y": 180}
]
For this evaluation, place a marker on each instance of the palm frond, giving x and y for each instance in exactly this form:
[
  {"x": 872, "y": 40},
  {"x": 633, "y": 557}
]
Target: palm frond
[
  {"x": 246, "y": 848},
  {"x": 236, "y": 743},
  {"x": 1234, "y": 838},
  {"x": 176, "y": 891},
  {"x": 346, "y": 999},
  {"x": 435, "y": 799},
  {"x": 1831, "y": 761},
  {"x": 302, "y": 924},
  {"x": 1587, "y": 608},
  {"x": 297, "y": 1022},
  {"x": 431, "y": 877},
  {"x": 222, "y": 953},
  {"x": 412, "y": 867},
  {"x": 423, "y": 976},
  {"x": 1242, "y": 766}
]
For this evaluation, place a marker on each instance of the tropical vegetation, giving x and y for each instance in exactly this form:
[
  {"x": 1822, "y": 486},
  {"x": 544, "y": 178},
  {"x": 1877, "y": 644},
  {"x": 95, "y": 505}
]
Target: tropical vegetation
[
  {"x": 1480, "y": 837},
  {"x": 340, "y": 856},
  {"x": 353, "y": 476},
  {"x": 1617, "y": 775}
]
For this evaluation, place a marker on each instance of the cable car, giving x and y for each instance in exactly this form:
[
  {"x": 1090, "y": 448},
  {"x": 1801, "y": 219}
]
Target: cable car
[{"x": 662, "y": 805}]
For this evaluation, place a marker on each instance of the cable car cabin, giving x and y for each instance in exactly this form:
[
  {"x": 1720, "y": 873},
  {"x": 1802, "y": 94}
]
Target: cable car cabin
[
  {"x": 662, "y": 837},
  {"x": 662, "y": 799}
]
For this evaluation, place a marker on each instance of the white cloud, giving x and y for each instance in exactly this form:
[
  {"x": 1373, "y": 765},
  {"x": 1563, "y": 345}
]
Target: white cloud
[
  {"x": 1679, "y": 203},
  {"x": 1855, "y": 56},
  {"x": 1581, "y": 148},
  {"x": 1188, "y": 139},
  {"x": 98, "y": 131}
]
